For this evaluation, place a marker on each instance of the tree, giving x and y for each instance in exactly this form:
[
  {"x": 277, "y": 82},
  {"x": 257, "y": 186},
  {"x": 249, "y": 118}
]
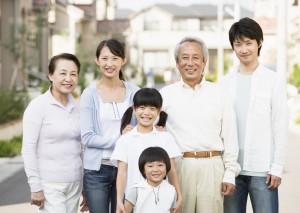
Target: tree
[{"x": 294, "y": 77}]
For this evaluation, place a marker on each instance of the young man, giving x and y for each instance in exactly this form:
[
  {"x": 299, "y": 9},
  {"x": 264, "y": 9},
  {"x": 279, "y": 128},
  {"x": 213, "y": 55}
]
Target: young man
[
  {"x": 260, "y": 103},
  {"x": 202, "y": 120}
]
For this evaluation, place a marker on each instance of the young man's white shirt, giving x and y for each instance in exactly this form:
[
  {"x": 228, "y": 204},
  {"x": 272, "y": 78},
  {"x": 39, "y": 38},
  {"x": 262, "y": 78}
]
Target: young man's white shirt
[{"x": 267, "y": 121}]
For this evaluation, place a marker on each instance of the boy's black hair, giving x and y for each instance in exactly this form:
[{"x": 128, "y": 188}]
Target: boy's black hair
[
  {"x": 246, "y": 28},
  {"x": 145, "y": 97},
  {"x": 153, "y": 154}
]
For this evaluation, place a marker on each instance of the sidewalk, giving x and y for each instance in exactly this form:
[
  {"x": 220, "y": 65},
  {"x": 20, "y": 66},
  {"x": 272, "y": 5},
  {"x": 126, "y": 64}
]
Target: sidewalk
[{"x": 288, "y": 191}]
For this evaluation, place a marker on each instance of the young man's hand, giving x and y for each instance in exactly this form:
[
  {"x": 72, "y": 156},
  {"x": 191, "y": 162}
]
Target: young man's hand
[
  {"x": 273, "y": 181},
  {"x": 227, "y": 189}
]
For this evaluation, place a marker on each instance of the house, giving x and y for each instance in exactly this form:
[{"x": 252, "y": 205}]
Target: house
[
  {"x": 32, "y": 31},
  {"x": 268, "y": 19},
  {"x": 156, "y": 30}
]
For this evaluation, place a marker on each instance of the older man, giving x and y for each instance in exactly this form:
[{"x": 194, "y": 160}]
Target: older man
[{"x": 202, "y": 120}]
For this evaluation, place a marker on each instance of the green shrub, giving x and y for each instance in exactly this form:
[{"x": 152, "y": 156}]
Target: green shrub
[
  {"x": 45, "y": 86},
  {"x": 211, "y": 76},
  {"x": 12, "y": 105},
  {"x": 87, "y": 67},
  {"x": 159, "y": 79},
  {"x": 297, "y": 120},
  {"x": 11, "y": 148},
  {"x": 294, "y": 77}
]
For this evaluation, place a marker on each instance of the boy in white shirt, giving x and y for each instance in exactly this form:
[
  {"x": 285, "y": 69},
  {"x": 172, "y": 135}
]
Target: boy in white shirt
[{"x": 153, "y": 194}]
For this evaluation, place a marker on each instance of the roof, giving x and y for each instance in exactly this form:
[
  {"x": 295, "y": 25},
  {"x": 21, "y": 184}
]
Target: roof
[
  {"x": 268, "y": 24},
  {"x": 195, "y": 10},
  {"x": 113, "y": 26},
  {"x": 89, "y": 10},
  {"x": 123, "y": 13}
]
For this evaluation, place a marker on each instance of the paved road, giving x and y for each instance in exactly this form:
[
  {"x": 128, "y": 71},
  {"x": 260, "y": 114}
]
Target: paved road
[{"x": 15, "y": 190}]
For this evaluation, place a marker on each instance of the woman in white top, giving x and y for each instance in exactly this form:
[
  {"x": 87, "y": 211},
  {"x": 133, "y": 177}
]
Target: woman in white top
[
  {"x": 51, "y": 141},
  {"x": 147, "y": 104},
  {"x": 101, "y": 108}
]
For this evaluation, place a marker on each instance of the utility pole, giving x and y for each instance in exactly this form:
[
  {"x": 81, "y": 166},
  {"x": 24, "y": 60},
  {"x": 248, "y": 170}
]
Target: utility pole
[
  {"x": 237, "y": 16},
  {"x": 281, "y": 66},
  {"x": 220, "y": 44},
  {"x": 237, "y": 10}
]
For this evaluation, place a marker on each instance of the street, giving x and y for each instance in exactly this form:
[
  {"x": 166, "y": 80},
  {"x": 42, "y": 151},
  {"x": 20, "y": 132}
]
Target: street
[
  {"x": 15, "y": 194},
  {"x": 15, "y": 190}
]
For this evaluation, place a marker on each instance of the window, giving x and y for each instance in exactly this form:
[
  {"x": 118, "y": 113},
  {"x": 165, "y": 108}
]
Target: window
[
  {"x": 179, "y": 24},
  {"x": 158, "y": 61},
  {"x": 151, "y": 26}
]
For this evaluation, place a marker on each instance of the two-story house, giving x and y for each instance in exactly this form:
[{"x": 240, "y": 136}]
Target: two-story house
[{"x": 156, "y": 30}]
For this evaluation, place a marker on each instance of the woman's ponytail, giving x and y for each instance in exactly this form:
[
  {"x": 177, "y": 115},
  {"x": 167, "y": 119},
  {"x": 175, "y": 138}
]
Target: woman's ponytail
[{"x": 121, "y": 76}]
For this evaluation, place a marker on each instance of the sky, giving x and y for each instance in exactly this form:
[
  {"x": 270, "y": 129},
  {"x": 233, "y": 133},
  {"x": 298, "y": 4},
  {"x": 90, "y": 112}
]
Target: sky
[{"x": 136, "y": 5}]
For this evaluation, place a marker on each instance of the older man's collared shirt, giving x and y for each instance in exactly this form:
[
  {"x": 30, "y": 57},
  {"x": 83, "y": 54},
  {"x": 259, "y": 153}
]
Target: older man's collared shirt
[{"x": 203, "y": 119}]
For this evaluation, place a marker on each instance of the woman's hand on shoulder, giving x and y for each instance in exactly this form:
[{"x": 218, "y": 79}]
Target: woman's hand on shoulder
[
  {"x": 160, "y": 128},
  {"x": 127, "y": 129}
]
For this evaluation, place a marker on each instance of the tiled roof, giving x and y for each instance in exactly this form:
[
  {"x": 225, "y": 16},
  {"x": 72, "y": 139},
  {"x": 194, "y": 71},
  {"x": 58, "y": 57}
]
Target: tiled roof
[
  {"x": 89, "y": 10},
  {"x": 123, "y": 13},
  {"x": 268, "y": 24},
  {"x": 113, "y": 26},
  {"x": 196, "y": 10},
  {"x": 178, "y": 11}
]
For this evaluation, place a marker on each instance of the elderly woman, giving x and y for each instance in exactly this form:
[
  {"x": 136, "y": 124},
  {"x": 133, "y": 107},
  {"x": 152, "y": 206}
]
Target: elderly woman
[{"x": 51, "y": 141}]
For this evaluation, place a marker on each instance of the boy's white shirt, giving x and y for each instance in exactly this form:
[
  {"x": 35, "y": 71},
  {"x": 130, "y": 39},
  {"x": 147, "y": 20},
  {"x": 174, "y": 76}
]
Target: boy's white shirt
[{"x": 165, "y": 194}]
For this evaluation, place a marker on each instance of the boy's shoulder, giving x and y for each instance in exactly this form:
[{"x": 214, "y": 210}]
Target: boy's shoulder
[{"x": 167, "y": 184}]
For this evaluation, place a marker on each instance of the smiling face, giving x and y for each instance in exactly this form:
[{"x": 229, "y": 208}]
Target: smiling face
[
  {"x": 146, "y": 116},
  {"x": 155, "y": 172},
  {"x": 64, "y": 78},
  {"x": 191, "y": 62},
  {"x": 246, "y": 50},
  {"x": 110, "y": 64}
]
